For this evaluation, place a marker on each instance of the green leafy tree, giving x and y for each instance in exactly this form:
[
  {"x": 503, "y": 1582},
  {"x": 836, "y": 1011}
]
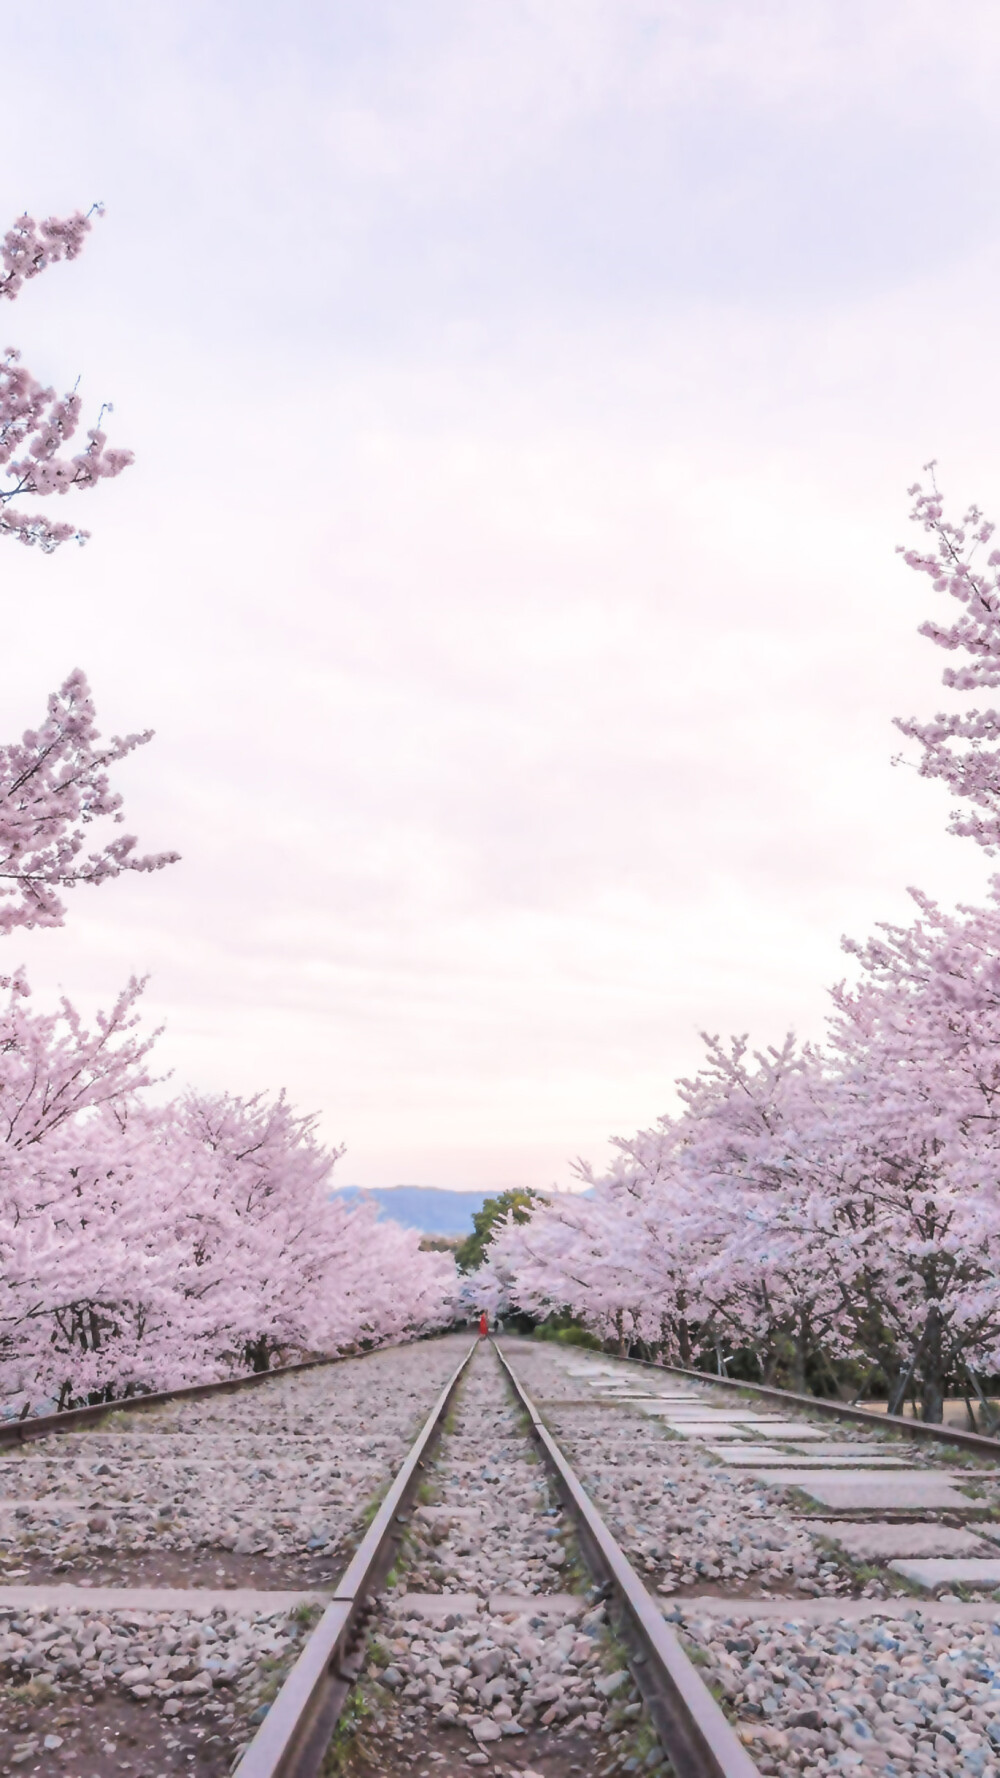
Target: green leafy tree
[{"x": 520, "y": 1204}]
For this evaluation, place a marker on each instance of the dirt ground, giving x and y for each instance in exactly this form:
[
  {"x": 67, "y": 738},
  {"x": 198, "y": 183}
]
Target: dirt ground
[
  {"x": 204, "y": 1567},
  {"x": 64, "y": 1733}
]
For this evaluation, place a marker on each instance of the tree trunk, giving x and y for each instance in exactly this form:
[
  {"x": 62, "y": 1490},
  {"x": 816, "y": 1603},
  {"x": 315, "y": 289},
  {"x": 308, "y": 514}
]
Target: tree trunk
[
  {"x": 932, "y": 1374},
  {"x": 800, "y": 1347},
  {"x": 258, "y": 1353}
]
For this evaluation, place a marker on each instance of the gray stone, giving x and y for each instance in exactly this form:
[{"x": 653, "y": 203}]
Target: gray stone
[
  {"x": 611, "y": 1683},
  {"x": 879, "y": 1542},
  {"x": 487, "y": 1730}
]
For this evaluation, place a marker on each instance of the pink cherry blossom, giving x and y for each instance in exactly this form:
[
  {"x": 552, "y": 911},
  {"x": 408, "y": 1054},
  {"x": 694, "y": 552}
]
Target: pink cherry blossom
[
  {"x": 54, "y": 786},
  {"x": 144, "y": 1245},
  {"x": 810, "y": 1205},
  {"x": 36, "y": 424}
]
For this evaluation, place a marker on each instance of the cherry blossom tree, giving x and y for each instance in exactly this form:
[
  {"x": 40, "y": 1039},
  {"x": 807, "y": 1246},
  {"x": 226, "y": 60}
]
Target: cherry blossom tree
[
  {"x": 962, "y": 748},
  {"x": 917, "y": 1128},
  {"x": 54, "y": 786},
  {"x": 838, "y": 1202},
  {"x": 142, "y": 1244},
  {"x": 36, "y": 424},
  {"x": 145, "y": 1245},
  {"x": 808, "y": 1206}
]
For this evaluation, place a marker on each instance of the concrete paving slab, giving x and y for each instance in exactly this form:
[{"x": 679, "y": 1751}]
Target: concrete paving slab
[
  {"x": 545, "y": 1605},
  {"x": 745, "y": 1455},
  {"x": 673, "y": 1401},
  {"x": 435, "y": 1607},
  {"x": 618, "y": 1382},
  {"x": 833, "y": 1611},
  {"x": 860, "y": 1454},
  {"x": 992, "y": 1531},
  {"x": 956, "y": 1571},
  {"x": 590, "y": 1401},
  {"x": 463, "y": 1515},
  {"x": 628, "y": 1394},
  {"x": 197, "y": 1600},
  {"x": 667, "y": 1410},
  {"x": 868, "y": 1490},
  {"x": 699, "y": 1410},
  {"x": 874, "y": 1542},
  {"x": 798, "y": 1430},
  {"x": 683, "y": 1420},
  {"x": 801, "y": 1431},
  {"x": 700, "y": 1429},
  {"x": 748, "y": 1455},
  {"x": 844, "y": 1459}
]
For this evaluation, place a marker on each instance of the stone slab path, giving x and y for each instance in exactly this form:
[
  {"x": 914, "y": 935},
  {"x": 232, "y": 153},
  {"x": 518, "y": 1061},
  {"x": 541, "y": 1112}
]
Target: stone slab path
[
  {"x": 200, "y": 1601},
  {"x": 831, "y": 1457},
  {"x": 879, "y": 1541},
  {"x": 438, "y": 1606},
  {"x": 833, "y": 1611},
  {"x": 935, "y": 1571},
  {"x": 864, "y": 1490}
]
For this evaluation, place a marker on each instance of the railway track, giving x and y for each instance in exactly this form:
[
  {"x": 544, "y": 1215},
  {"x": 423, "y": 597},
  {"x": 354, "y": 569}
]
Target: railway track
[
  {"x": 837, "y": 1583},
  {"x": 508, "y": 1633},
  {"x": 161, "y": 1566},
  {"x": 578, "y": 1565}
]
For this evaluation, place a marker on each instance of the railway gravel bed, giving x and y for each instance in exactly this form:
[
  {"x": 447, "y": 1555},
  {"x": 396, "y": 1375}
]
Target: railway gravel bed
[
  {"x": 815, "y": 1642},
  {"x": 692, "y": 1526},
  {"x": 489, "y": 1648},
  {"x": 244, "y": 1502},
  {"x": 892, "y": 1696},
  {"x": 254, "y": 1489},
  {"x": 90, "y": 1693}
]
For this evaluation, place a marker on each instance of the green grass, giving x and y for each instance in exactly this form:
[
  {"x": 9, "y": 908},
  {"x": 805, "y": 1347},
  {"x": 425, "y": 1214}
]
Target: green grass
[{"x": 347, "y": 1736}]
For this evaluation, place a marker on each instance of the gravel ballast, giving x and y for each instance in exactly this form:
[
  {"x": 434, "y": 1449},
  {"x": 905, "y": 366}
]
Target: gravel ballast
[
  {"x": 904, "y": 1695},
  {"x": 901, "y": 1697},
  {"x": 519, "y": 1672},
  {"x": 261, "y": 1487}
]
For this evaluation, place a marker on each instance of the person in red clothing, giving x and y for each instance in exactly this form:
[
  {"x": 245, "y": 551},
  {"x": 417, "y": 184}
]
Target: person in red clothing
[{"x": 484, "y": 1326}]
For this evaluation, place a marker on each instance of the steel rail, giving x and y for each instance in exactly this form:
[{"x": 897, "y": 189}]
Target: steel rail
[
  {"x": 294, "y": 1736},
  {"x": 14, "y": 1432},
  {"x": 834, "y": 1410},
  {"x": 692, "y": 1728}
]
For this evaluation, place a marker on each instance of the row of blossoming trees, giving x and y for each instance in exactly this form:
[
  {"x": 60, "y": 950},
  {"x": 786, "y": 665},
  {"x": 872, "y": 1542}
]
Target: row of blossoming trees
[
  {"x": 142, "y": 1244},
  {"x": 822, "y": 1212}
]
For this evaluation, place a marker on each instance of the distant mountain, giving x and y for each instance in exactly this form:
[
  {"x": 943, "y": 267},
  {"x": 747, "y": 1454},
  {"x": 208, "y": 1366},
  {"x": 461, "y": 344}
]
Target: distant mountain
[{"x": 425, "y": 1207}]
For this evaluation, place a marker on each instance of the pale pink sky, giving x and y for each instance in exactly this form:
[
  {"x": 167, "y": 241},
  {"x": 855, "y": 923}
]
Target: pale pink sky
[{"x": 525, "y": 397}]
